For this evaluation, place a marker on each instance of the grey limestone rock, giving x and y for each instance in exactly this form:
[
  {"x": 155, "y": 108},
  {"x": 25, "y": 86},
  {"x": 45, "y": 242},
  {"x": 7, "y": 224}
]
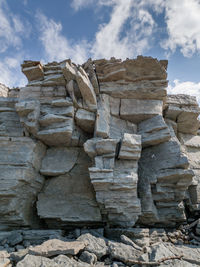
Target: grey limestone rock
[
  {"x": 191, "y": 146},
  {"x": 137, "y": 110},
  {"x": 59, "y": 160},
  {"x": 18, "y": 255},
  {"x": 20, "y": 179},
  {"x": 89, "y": 68},
  {"x": 69, "y": 198},
  {"x": 9, "y": 120},
  {"x": 154, "y": 131},
  {"x": 185, "y": 111},
  {"x": 122, "y": 252},
  {"x": 3, "y": 90},
  {"x": 95, "y": 245},
  {"x": 140, "y": 236},
  {"x": 85, "y": 120},
  {"x": 118, "y": 113},
  {"x": 115, "y": 180},
  {"x": 130, "y": 147},
  {"x": 36, "y": 237},
  {"x": 130, "y": 69},
  {"x": 163, "y": 182},
  {"x": 64, "y": 261},
  {"x": 86, "y": 88},
  {"x": 36, "y": 261},
  {"x": 14, "y": 238},
  {"x": 33, "y": 70},
  {"x": 54, "y": 247},
  {"x": 88, "y": 257}
]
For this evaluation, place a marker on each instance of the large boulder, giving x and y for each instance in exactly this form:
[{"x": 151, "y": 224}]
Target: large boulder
[{"x": 68, "y": 199}]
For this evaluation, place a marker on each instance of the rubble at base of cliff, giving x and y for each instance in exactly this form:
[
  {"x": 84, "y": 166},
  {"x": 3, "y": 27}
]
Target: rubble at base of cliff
[{"x": 101, "y": 247}]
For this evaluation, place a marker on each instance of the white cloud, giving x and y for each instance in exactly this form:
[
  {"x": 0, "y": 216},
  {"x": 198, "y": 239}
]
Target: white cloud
[
  {"x": 189, "y": 88},
  {"x": 181, "y": 17},
  {"x": 108, "y": 42},
  {"x": 183, "y": 26},
  {"x": 12, "y": 33},
  {"x": 78, "y": 4},
  {"x": 10, "y": 71},
  {"x": 11, "y": 28},
  {"x": 58, "y": 47},
  {"x": 127, "y": 34}
]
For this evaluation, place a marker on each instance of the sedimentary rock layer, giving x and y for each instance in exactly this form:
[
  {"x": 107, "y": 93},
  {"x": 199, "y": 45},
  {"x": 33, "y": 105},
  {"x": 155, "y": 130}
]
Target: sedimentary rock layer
[{"x": 98, "y": 144}]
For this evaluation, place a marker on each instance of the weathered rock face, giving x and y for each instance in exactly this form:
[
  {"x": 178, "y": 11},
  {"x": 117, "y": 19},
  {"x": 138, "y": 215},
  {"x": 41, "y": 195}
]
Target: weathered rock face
[
  {"x": 67, "y": 198},
  {"x": 119, "y": 151},
  {"x": 114, "y": 178},
  {"x": 3, "y": 90},
  {"x": 164, "y": 180},
  {"x": 184, "y": 110},
  {"x": 142, "y": 78},
  {"x": 20, "y": 160},
  {"x": 191, "y": 146}
]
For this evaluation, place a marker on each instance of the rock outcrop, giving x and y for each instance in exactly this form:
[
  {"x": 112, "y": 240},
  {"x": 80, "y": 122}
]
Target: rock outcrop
[
  {"x": 98, "y": 145},
  {"x": 3, "y": 90}
]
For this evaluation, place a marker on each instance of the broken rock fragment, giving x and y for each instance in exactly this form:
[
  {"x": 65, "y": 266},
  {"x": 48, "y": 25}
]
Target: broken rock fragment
[
  {"x": 33, "y": 70},
  {"x": 56, "y": 247}
]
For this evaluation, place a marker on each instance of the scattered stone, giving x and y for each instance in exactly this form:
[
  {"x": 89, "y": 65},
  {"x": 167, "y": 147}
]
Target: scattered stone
[
  {"x": 96, "y": 245},
  {"x": 15, "y": 238},
  {"x": 56, "y": 247},
  {"x": 123, "y": 252},
  {"x": 64, "y": 261},
  {"x": 159, "y": 251},
  {"x": 19, "y": 255},
  {"x": 129, "y": 242},
  {"x": 36, "y": 261},
  {"x": 4, "y": 262},
  {"x": 88, "y": 257}
]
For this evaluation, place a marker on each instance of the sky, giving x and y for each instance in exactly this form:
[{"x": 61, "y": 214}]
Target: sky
[{"x": 49, "y": 30}]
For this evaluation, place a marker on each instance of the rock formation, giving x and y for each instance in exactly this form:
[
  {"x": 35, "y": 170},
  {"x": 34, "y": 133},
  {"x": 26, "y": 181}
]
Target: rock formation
[{"x": 98, "y": 145}]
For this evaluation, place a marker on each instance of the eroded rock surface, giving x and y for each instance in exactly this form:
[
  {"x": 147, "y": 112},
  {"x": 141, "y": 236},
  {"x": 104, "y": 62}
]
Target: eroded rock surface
[
  {"x": 68, "y": 198},
  {"x": 98, "y": 145}
]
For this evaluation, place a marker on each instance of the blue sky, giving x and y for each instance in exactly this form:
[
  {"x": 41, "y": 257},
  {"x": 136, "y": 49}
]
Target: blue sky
[{"x": 49, "y": 30}]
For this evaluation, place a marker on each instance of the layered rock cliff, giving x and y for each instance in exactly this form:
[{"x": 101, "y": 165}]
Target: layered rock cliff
[{"x": 98, "y": 144}]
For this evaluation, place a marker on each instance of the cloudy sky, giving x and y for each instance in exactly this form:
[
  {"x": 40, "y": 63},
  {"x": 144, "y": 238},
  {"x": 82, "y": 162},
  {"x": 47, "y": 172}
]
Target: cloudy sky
[{"x": 49, "y": 30}]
